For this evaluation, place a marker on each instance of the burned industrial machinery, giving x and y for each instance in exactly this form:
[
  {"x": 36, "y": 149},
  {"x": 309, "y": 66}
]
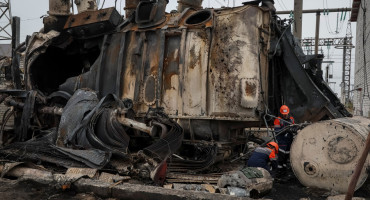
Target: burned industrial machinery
[{"x": 162, "y": 91}]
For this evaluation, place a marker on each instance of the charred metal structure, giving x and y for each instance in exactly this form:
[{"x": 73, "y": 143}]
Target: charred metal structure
[{"x": 104, "y": 86}]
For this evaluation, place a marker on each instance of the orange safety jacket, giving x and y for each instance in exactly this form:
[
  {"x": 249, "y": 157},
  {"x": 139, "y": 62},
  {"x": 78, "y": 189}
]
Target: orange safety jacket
[{"x": 280, "y": 124}]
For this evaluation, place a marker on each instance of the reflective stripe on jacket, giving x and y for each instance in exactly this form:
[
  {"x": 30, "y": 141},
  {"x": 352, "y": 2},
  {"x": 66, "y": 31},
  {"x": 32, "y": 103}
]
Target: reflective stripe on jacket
[
  {"x": 261, "y": 156},
  {"x": 280, "y": 123}
]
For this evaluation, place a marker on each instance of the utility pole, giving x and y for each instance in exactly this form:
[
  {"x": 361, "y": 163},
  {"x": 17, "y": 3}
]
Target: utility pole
[
  {"x": 16, "y": 75},
  {"x": 297, "y": 31},
  {"x": 317, "y": 33}
]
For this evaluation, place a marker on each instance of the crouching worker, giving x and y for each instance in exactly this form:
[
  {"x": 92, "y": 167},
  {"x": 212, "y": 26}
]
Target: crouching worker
[{"x": 265, "y": 157}]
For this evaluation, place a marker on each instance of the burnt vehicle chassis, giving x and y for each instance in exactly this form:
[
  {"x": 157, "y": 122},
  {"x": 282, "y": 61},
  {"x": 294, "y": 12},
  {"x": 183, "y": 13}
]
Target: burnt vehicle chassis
[{"x": 163, "y": 92}]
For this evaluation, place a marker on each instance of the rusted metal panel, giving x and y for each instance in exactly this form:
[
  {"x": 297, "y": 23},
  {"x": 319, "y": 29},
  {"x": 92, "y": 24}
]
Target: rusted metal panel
[
  {"x": 39, "y": 42},
  {"x": 234, "y": 58},
  {"x": 171, "y": 74},
  {"x": 90, "y": 17},
  {"x": 108, "y": 67},
  {"x": 194, "y": 94},
  {"x": 249, "y": 93},
  {"x": 198, "y": 72},
  {"x": 131, "y": 67},
  {"x": 92, "y": 23},
  {"x": 152, "y": 57}
]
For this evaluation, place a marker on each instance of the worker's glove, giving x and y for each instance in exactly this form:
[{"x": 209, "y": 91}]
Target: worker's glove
[{"x": 293, "y": 128}]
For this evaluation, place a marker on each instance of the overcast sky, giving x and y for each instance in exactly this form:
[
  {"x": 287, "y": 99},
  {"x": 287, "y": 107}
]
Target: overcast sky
[{"x": 30, "y": 12}]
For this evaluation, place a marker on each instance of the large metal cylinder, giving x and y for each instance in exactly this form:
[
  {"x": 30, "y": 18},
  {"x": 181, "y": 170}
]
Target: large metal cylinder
[
  {"x": 183, "y": 4},
  {"x": 59, "y": 7},
  {"x": 325, "y": 154}
]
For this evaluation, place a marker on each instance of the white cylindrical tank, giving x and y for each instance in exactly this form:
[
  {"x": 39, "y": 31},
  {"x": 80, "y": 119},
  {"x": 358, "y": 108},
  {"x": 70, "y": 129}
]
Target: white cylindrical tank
[{"x": 325, "y": 154}]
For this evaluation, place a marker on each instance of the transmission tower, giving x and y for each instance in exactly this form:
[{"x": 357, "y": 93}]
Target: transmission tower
[
  {"x": 5, "y": 20},
  {"x": 346, "y": 73}
]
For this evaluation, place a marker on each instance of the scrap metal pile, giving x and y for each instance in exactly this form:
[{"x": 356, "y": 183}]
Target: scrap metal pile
[
  {"x": 157, "y": 94},
  {"x": 89, "y": 135}
]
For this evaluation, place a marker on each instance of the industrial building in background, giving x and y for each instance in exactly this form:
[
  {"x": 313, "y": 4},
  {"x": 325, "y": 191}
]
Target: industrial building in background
[{"x": 361, "y": 90}]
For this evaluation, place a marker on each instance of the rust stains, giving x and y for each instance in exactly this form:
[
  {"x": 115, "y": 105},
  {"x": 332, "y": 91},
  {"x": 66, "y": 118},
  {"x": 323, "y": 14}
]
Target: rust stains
[
  {"x": 89, "y": 17},
  {"x": 194, "y": 58},
  {"x": 250, "y": 89}
]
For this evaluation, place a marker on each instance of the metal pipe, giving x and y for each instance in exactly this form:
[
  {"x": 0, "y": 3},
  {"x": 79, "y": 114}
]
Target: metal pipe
[
  {"x": 360, "y": 165},
  {"x": 51, "y": 110},
  {"x": 12, "y": 102},
  {"x": 164, "y": 129},
  {"x": 135, "y": 125}
]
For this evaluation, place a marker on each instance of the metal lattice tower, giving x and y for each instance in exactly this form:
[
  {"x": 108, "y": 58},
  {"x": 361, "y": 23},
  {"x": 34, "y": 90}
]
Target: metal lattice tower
[
  {"x": 346, "y": 74},
  {"x": 5, "y": 20}
]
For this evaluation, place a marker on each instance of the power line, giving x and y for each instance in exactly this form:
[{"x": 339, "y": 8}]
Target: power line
[
  {"x": 282, "y": 1},
  {"x": 281, "y": 5}
]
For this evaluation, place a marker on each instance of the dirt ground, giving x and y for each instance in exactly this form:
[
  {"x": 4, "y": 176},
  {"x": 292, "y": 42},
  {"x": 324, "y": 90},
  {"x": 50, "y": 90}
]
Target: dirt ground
[
  {"x": 291, "y": 188},
  {"x": 20, "y": 190},
  {"x": 283, "y": 189}
]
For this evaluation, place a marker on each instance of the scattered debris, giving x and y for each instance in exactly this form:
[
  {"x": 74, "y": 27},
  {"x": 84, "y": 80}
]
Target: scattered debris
[
  {"x": 250, "y": 181},
  {"x": 163, "y": 99}
]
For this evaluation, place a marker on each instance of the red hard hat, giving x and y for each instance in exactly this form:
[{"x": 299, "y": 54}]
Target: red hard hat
[
  {"x": 284, "y": 110},
  {"x": 273, "y": 145}
]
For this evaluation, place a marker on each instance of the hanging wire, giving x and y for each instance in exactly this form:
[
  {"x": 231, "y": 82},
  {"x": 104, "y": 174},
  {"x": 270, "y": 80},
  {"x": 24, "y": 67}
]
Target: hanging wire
[
  {"x": 326, "y": 18},
  {"x": 282, "y": 1},
  {"x": 102, "y": 4},
  {"x": 280, "y": 4},
  {"x": 340, "y": 21}
]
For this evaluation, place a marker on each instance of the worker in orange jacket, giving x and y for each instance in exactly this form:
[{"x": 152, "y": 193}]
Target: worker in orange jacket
[
  {"x": 265, "y": 157},
  {"x": 284, "y": 139}
]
